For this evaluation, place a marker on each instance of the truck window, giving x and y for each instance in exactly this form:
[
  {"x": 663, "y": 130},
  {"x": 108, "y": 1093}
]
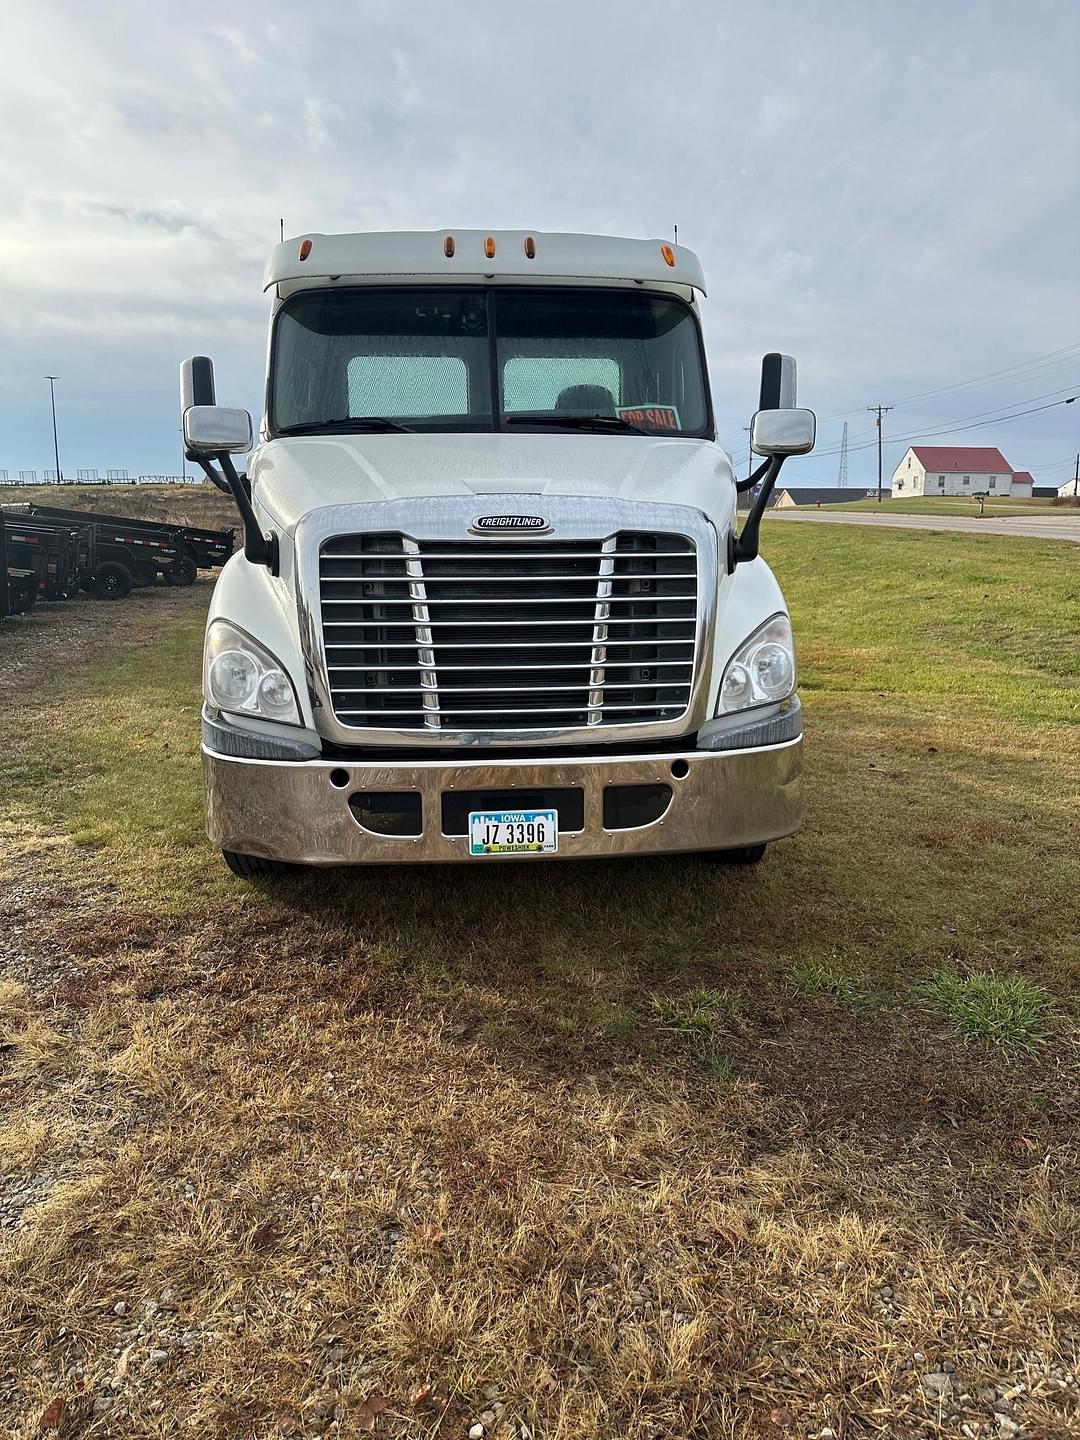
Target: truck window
[
  {"x": 408, "y": 385},
  {"x": 415, "y": 355},
  {"x": 423, "y": 355},
  {"x": 535, "y": 382},
  {"x": 582, "y": 351}
]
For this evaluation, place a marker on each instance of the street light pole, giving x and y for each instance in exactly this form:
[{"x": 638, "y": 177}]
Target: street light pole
[{"x": 52, "y": 379}]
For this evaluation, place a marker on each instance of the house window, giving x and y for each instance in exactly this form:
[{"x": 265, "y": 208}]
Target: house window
[
  {"x": 993, "y": 482},
  {"x": 967, "y": 479},
  {"x": 941, "y": 482},
  {"x": 899, "y": 484}
]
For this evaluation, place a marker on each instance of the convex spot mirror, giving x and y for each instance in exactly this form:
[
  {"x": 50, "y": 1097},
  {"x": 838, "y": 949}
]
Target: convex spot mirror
[
  {"x": 783, "y": 432},
  {"x": 209, "y": 429}
]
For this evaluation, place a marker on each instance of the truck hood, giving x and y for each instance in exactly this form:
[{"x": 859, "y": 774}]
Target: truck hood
[{"x": 292, "y": 477}]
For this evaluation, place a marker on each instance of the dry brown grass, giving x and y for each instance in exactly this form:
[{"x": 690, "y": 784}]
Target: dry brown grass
[{"x": 690, "y": 1158}]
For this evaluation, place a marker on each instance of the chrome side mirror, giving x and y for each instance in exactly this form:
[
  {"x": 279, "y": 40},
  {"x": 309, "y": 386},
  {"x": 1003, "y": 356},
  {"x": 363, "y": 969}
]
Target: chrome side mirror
[
  {"x": 196, "y": 383},
  {"x": 779, "y": 382},
  {"x": 783, "y": 432},
  {"x": 210, "y": 429}
]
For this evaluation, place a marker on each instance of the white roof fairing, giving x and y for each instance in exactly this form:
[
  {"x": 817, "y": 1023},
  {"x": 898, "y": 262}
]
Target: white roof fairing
[{"x": 412, "y": 254}]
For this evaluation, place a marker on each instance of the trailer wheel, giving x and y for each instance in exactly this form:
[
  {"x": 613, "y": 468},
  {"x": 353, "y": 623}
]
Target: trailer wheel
[
  {"x": 247, "y": 866},
  {"x": 22, "y": 593},
  {"x": 184, "y": 572},
  {"x": 111, "y": 581},
  {"x": 741, "y": 855}
]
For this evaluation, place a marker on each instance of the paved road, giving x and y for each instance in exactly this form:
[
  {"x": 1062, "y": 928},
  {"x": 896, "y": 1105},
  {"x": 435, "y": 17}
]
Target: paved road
[{"x": 1065, "y": 526}]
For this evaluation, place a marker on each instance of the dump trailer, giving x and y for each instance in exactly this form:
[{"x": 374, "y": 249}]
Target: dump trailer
[
  {"x": 495, "y": 603},
  {"x": 29, "y": 540},
  {"x": 118, "y": 553},
  {"x": 24, "y": 566}
]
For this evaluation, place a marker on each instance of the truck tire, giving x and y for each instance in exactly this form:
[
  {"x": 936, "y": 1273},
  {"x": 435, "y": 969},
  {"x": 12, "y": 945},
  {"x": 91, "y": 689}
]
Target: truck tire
[
  {"x": 248, "y": 866},
  {"x": 742, "y": 855},
  {"x": 22, "y": 593},
  {"x": 184, "y": 571},
  {"x": 111, "y": 581}
]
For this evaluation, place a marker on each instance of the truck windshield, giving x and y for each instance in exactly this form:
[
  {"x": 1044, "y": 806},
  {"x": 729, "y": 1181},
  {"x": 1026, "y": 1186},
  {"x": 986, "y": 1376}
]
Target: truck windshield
[{"x": 429, "y": 358}]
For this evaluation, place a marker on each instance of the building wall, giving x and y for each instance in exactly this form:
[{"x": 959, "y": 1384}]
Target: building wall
[{"x": 914, "y": 480}]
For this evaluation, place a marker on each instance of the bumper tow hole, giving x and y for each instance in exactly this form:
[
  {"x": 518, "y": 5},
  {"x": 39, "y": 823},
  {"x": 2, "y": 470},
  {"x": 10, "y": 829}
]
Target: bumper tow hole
[
  {"x": 680, "y": 769},
  {"x": 339, "y": 779}
]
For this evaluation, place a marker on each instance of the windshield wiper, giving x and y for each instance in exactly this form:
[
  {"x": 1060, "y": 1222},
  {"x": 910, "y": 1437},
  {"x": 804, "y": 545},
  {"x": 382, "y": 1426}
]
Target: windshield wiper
[
  {"x": 360, "y": 423},
  {"x": 574, "y": 422}
]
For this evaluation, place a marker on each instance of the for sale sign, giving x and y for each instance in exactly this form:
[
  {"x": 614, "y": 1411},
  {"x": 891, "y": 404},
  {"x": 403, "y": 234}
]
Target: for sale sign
[{"x": 660, "y": 418}]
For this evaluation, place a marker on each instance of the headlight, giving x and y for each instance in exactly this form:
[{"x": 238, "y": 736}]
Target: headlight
[
  {"x": 762, "y": 670},
  {"x": 241, "y": 676}
]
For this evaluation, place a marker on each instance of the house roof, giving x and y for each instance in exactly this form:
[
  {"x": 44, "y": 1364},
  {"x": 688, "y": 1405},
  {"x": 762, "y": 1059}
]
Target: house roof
[
  {"x": 971, "y": 459},
  {"x": 1023, "y": 477}
]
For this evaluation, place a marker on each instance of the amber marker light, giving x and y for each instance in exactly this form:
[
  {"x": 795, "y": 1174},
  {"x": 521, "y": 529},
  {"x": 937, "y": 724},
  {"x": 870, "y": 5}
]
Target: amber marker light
[
  {"x": 448, "y": 247},
  {"x": 305, "y": 249},
  {"x": 530, "y": 248},
  {"x": 489, "y": 247},
  {"x": 668, "y": 253}
]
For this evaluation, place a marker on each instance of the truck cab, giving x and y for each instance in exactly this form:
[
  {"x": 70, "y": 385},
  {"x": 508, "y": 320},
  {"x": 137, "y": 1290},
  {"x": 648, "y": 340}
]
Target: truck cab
[{"x": 494, "y": 600}]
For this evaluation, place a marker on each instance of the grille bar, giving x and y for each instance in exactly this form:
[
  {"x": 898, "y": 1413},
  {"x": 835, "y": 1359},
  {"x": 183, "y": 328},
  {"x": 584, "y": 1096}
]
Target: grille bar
[
  {"x": 592, "y": 632},
  {"x": 547, "y": 710},
  {"x": 525, "y": 600},
  {"x": 498, "y": 689},
  {"x": 439, "y": 556},
  {"x": 587, "y": 623},
  {"x": 516, "y": 669},
  {"x": 506, "y": 579}
]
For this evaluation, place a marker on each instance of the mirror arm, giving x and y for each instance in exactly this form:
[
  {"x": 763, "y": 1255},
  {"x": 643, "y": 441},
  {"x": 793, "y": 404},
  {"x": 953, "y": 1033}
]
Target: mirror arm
[
  {"x": 213, "y": 475},
  {"x": 751, "y": 480},
  {"x": 745, "y": 546},
  {"x": 260, "y": 549}
]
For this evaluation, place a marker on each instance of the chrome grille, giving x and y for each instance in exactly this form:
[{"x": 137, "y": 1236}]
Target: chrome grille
[{"x": 494, "y": 635}]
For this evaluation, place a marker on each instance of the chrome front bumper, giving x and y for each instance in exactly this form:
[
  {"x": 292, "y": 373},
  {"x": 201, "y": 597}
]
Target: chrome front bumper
[{"x": 299, "y": 810}]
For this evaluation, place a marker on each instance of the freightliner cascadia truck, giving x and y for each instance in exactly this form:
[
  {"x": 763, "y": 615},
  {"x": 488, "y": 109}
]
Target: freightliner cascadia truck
[{"x": 496, "y": 600}]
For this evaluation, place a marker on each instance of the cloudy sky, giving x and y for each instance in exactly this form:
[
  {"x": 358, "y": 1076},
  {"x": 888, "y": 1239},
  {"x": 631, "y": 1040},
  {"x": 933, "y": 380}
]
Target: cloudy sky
[{"x": 891, "y": 191}]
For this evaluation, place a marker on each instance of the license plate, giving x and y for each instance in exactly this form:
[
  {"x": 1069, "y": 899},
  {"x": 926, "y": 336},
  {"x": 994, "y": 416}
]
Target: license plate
[{"x": 513, "y": 832}]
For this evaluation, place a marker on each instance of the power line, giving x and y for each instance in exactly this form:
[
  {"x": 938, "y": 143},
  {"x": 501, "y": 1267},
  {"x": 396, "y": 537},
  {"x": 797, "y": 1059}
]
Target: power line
[
  {"x": 954, "y": 428},
  {"x": 1040, "y": 362}
]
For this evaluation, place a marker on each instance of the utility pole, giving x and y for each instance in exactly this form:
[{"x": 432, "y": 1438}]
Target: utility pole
[
  {"x": 1076, "y": 479},
  {"x": 880, "y": 411},
  {"x": 52, "y": 379}
]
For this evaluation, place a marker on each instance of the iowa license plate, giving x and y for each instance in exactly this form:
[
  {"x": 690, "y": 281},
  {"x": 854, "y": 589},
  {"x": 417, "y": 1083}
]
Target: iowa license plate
[{"x": 513, "y": 832}]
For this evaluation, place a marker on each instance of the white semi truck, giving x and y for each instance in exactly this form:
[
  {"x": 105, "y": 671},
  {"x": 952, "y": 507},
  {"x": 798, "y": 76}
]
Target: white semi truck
[{"x": 494, "y": 600}]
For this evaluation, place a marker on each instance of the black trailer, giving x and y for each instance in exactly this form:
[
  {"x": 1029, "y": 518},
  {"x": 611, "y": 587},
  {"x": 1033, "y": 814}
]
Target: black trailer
[
  {"x": 49, "y": 549},
  {"x": 117, "y": 552},
  {"x": 24, "y": 568}
]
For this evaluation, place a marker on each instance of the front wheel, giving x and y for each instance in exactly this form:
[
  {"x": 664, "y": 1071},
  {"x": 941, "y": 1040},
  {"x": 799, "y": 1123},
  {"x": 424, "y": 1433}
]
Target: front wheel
[
  {"x": 248, "y": 866},
  {"x": 741, "y": 855},
  {"x": 111, "y": 581}
]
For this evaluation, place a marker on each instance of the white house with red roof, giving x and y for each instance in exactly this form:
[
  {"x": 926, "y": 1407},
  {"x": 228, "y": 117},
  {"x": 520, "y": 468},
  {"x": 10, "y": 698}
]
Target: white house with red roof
[{"x": 957, "y": 470}]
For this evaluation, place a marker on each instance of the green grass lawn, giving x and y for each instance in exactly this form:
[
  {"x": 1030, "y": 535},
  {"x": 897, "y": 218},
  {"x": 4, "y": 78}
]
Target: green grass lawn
[{"x": 636, "y": 1147}]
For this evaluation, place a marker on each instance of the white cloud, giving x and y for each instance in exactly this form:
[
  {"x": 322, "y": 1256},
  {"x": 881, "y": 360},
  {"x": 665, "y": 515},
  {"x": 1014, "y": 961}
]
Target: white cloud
[{"x": 890, "y": 193}]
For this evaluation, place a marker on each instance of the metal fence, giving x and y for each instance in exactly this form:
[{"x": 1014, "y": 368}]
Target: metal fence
[{"x": 94, "y": 477}]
